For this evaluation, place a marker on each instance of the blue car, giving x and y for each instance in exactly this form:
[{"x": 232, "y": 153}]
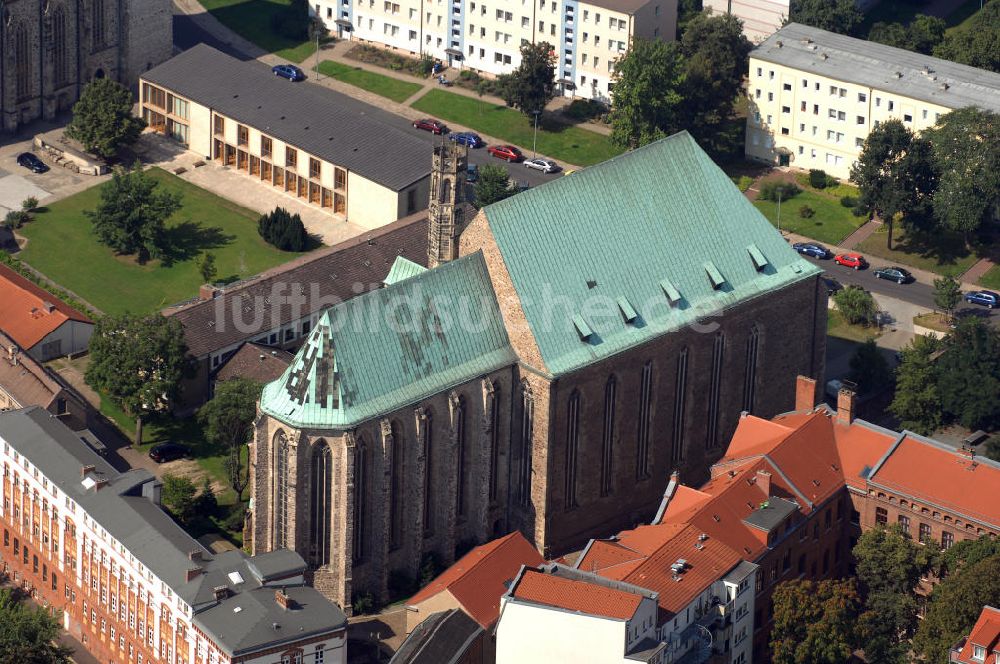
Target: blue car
[
  {"x": 811, "y": 249},
  {"x": 986, "y": 298},
  {"x": 291, "y": 72},
  {"x": 467, "y": 138}
]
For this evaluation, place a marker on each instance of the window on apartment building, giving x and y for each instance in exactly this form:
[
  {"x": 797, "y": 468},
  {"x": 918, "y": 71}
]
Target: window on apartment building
[
  {"x": 760, "y": 72},
  {"x": 413, "y": 35},
  {"x": 907, "y": 117},
  {"x": 314, "y": 167},
  {"x": 786, "y": 109},
  {"x": 784, "y": 131},
  {"x": 805, "y": 83},
  {"x": 802, "y": 127},
  {"x": 925, "y": 532},
  {"x": 832, "y": 114},
  {"x": 878, "y": 102},
  {"x": 841, "y": 116},
  {"x": 801, "y": 149},
  {"x": 861, "y": 119},
  {"x": 904, "y": 523},
  {"x": 770, "y": 119},
  {"x": 786, "y": 86},
  {"x": 219, "y": 125},
  {"x": 862, "y": 97},
  {"x": 242, "y": 135},
  {"x": 947, "y": 539},
  {"x": 770, "y": 75},
  {"x": 291, "y": 157},
  {"x": 815, "y": 109},
  {"x": 891, "y": 104}
]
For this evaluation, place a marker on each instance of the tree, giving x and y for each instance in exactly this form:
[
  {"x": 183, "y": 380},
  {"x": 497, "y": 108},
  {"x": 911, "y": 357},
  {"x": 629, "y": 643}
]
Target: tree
[
  {"x": 814, "y": 622},
  {"x": 284, "y": 230},
  {"x": 992, "y": 448},
  {"x": 968, "y": 374},
  {"x": 841, "y": 16},
  {"x": 493, "y": 185},
  {"x": 968, "y": 552},
  {"x": 856, "y": 305},
  {"x": 869, "y": 369},
  {"x": 922, "y": 34},
  {"x": 977, "y": 44},
  {"x": 895, "y": 174},
  {"x": 531, "y": 86},
  {"x": 131, "y": 214},
  {"x": 716, "y": 58},
  {"x": 206, "y": 503},
  {"x": 947, "y": 294},
  {"x": 206, "y": 266},
  {"x": 966, "y": 154},
  {"x": 954, "y": 607},
  {"x": 102, "y": 118},
  {"x": 647, "y": 93},
  {"x": 227, "y": 421},
  {"x": 179, "y": 496},
  {"x": 917, "y": 403},
  {"x": 28, "y": 633},
  {"x": 138, "y": 361},
  {"x": 687, "y": 10}
]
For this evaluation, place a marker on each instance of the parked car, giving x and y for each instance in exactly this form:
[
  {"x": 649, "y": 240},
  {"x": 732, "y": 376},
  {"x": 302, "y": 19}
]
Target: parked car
[
  {"x": 168, "y": 452},
  {"x": 893, "y": 273},
  {"x": 467, "y": 138},
  {"x": 291, "y": 72},
  {"x": 856, "y": 261},
  {"x": 434, "y": 126},
  {"x": 811, "y": 249},
  {"x": 832, "y": 285},
  {"x": 985, "y": 298},
  {"x": 543, "y": 165},
  {"x": 506, "y": 152},
  {"x": 31, "y": 162},
  {"x": 472, "y": 173}
]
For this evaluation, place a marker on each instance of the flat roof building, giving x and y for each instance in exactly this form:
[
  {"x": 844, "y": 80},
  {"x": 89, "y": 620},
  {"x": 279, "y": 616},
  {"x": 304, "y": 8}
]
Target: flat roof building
[
  {"x": 816, "y": 95},
  {"x": 297, "y": 137}
]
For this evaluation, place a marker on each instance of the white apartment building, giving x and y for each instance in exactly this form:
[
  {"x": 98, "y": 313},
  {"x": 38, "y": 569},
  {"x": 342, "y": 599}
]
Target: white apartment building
[
  {"x": 761, "y": 18},
  {"x": 815, "y": 95},
  {"x": 486, "y": 36},
  {"x": 132, "y": 586}
]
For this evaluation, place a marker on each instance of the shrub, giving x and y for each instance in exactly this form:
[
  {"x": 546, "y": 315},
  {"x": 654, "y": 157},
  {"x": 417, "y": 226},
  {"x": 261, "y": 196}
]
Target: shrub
[
  {"x": 744, "y": 182},
  {"x": 770, "y": 190},
  {"x": 585, "y": 109},
  {"x": 29, "y": 204},
  {"x": 235, "y": 519},
  {"x": 849, "y": 201},
  {"x": 363, "y": 603},
  {"x": 859, "y": 211},
  {"x": 283, "y": 230},
  {"x": 425, "y": 65},
  {"x": 856, "y": 305},
  {"x": 806, "y": 212},
  {"x": 16, "y": 219},
  {"x": 817, "y": 178}
]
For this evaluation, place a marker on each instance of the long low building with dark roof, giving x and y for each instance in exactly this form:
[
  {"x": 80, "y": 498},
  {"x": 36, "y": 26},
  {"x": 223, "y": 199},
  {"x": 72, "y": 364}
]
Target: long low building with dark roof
[
  {"x": 131, "y": 584},
  {"x": 298, "y": 138}
]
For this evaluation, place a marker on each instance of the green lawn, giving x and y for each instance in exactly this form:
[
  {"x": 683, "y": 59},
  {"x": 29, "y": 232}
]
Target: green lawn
[
  {"x": 384, "y": 86},
  {"x": 836, "y": 326},
  {"x": 251, "y": 19},
  {"x": 567, "y": 143},
  {"x": 62, "y": 246},
  {"x": 960, "y": 18},
  {"x": 991, "y": 279},
  {"x": 943, "y": 253},
  {"x": 831, "y": 223}
]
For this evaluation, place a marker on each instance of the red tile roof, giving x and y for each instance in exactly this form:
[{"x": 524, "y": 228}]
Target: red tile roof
[
  {"x": 480, "y": 577},
  {"x": 575, "y": 595},
  {"x": 928, "y": 470},
  {"x": 985, "y": 633},
  {"x": 28, "y": 313}
]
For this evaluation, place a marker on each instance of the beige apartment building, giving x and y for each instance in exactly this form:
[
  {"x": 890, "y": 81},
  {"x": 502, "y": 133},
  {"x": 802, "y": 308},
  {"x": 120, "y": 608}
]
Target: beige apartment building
[
  {"x": 297, "y": 138},
  {"x": 815, "y": 95},
  {"x": 486, "y": 36}
]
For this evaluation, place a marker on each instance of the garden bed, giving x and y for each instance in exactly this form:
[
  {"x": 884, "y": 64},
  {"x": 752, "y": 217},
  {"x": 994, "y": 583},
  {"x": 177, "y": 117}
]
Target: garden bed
[{"x": 383, "y": 57}]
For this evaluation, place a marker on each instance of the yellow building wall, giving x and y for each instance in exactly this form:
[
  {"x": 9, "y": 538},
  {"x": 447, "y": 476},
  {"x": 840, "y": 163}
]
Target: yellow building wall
[
  {"x": 820, "y": 122},
  {"x": 369, "y": 204}
]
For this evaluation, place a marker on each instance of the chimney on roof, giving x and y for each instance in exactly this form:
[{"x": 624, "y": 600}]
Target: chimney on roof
[
  {"x": 220, "y": 592},
  {"x": 845, "y": 406},
  {"x": 100, "y": 483},
  {"x": 207, "y": 292},
  {"x": 283, "y": 600},
  {"x": 89, "y": 468},
  {"x": 194, "y": 556},
  {"x": 49, "y": 307},
  {"x": 805, "y": 393},
  {"x": 764, "y": 481},
  {"x": 191, "y": 573}
]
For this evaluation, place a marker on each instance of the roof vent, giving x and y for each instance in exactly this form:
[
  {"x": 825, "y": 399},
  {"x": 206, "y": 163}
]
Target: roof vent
[
  {"x": 628, "y": 311},
  {"x": 759, "y": 262},
  {"x": 927, "y": 70},
  {"x": 237, "y": 609},
  {"x": 899, "y": 74},
  {"x": 670, "y": 291},
  {"x": 944, "y": 86},
  {"x": 591, "y": 284},
  {"x": 582, "y": 328},
  {"x": 779, "y": 43},
  {"x": 49, "y": 307},
  {"x": 702, "y": 537},
  {"x": 824, "y": 56},
  {"x": 806, "y": 40},
  {"x": 714, "y": 275}
]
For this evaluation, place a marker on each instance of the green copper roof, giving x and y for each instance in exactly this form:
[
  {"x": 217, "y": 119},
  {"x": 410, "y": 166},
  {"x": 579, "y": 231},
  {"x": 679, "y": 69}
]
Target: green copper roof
[
  {"x": 403, "y": 268},
  {"x": 392, "y": 347},
  {"x": 661, "y": 226}
]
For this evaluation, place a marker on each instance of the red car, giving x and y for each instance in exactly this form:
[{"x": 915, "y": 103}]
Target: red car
[
  {"x": 853, "y": 260},
  {"x": 433, "y": 126},
  {"x": 507, "y": 152}
]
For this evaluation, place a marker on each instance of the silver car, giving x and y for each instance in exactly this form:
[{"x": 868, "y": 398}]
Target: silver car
[{"x": 543, "y": 165}]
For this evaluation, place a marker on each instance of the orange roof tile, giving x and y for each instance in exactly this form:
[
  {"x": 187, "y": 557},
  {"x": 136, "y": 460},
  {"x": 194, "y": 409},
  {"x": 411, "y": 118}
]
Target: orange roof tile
[
  {"x": 24, "y": 312},
  {"x": 985, "y": 633},
  {"x": 755, "y": 436},
  {"x": 574, "y": 595},
  {"x": 925, "y": 469},
  {"x": 479, "y": 578},
  {"x": 684, "y": 499},
  {"x": 860, "y": 447}
]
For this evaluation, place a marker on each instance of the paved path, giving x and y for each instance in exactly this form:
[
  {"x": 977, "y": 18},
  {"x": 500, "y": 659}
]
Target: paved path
[
  {"x": 976, "y": 272},
  {"x": 861, "y": 234}
]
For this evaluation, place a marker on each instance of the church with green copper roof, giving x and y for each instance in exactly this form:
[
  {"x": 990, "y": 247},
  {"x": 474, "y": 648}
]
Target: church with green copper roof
[{"x": 567, "y": 349}]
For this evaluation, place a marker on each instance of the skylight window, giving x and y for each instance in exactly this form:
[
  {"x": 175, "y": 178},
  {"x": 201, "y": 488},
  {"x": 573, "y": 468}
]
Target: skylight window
[
  {"x": 714, "y": 275},
  {"x": 628, "y": 311},
  {"x": 582, "y": 328},
  {"x": 759, "y": 261},
  {"x": 670, "y": 291},
  {"x": 235, "y": 578}
]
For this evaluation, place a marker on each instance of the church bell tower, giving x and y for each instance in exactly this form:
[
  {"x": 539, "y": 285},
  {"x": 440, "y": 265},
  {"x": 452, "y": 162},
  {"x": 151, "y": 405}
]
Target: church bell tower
[{"x": 445, "y": 209}]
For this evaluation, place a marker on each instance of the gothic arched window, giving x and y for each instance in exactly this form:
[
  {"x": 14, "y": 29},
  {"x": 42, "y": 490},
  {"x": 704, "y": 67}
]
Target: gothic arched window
[
  {"x": 642, "y": 442},
  {"x": 280, "y": 447},
  {"x": 59, "y": 57},
  {"x": 445, "y": 191},
  {"x": 715, "y": 391},
  {"x": 97, "y": 22},
  {"x": 527, "y": 433},
  {"x": 680, "y": 406},
  {"x": 750, "y": 373},
  {"x": 460, "y": 453},
  {"x": 428, "y": 473},
  {"x": 494, "y": 415},
  {"x": 361, "y": 472},
  {"x": 321, "y": 487},
  {"x": 572, "y": 447},
  {"x": 22, "y": 60},
  {"x": 608, "y": 440},
  {"x": 395, "y": 486}
]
